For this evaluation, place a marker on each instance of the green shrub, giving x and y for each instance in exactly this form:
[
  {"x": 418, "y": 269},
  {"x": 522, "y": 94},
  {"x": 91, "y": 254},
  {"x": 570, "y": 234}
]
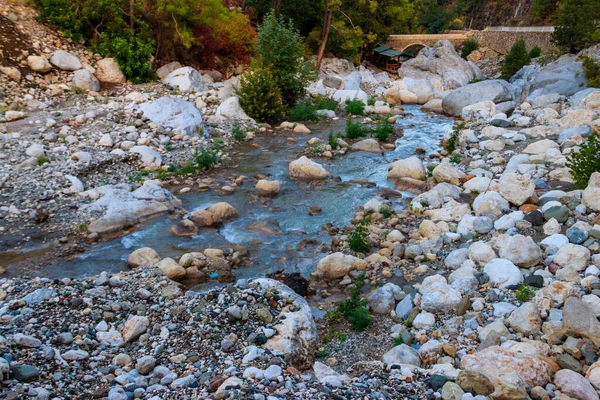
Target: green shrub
[
  {"x": 517, "y": 58},
  {"x": 535, "y": 52},
  {"x": 260, "y": 96},
  {"x": 355, "y": 130},
  {"x": 455, "y": 158},
  {"x": 468, "y": 46},
  {"x": 304, "y": 111},
  {"x": 386, "y": 211},
  {"x": 358, "y": 240},
  {"x": 453, "y": 139},
  {"x": 132, "y": 52},
  {"x": 332, "y": 139},
  {"x": 323, "y": 103},
  {"x": 355, "y": 107},
  {"x": 322, "y": 353},
  {"x": 281, "y": 50},
  {"x": 138, "y": 176},
  {"x": 42, "y": 160},
  {"x": 397, "y": 341},
  {"x": 383, "y": 131},
  {"x": 237, "y": 132},
  {"x": 524, "y": 293},
  {"x": 205, "y": 158},
  {"x": 371, "y": 101},
  {"x": 430, "y": 169},
  {"x": 105, "y": 27},
  {"x": 354, "y": 309},
  {"x": 585, "y": 162},
  {"x": 592, "y": 71}
]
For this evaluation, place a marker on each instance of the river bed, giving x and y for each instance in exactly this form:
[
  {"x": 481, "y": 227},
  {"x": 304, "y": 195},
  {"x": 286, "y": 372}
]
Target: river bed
[{"x": 288, "y": 210}]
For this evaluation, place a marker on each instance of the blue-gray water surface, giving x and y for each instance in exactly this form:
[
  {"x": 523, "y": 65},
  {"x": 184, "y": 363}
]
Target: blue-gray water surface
[{"x": 269, "y": 253}]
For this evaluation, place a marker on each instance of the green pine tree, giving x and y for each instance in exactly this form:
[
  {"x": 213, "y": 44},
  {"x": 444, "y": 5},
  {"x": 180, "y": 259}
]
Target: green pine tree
[{"x": 516, "y": 59}]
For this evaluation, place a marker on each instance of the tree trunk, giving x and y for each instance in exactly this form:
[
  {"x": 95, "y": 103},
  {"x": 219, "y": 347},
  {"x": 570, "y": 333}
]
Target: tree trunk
[
  {"x": 324, "y": 33},
  {"x": 131, "y": 3}
]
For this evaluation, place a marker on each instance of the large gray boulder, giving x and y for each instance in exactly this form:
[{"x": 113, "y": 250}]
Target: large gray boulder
[
  {"x": 186, "y": 79},
  {"x": 39, "y": 64},
  {"x": 65, "y": 61},
  {"x": 441, "y": 66},
  {"x": 166, "y": 69},
  {"x": 297, "y": 335},
  {"x": 119, "y": 208},
  {"x": 564, "y": 76},
  {"x": 498, "y": 91},
  {"x": 84, "y": 79},
  {"x": 169, "y": 112},
  {"x": 231, "y": 109}
]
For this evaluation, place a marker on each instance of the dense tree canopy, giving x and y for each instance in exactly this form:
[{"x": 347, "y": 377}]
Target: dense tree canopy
[
  {"x": 578, "y": 24},
  {"x": 133, "y": 31},
  {"x": 214, "y": 33}
]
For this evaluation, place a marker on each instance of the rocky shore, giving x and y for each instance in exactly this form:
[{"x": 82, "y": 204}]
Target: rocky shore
[{"x": 482, "y": 271}]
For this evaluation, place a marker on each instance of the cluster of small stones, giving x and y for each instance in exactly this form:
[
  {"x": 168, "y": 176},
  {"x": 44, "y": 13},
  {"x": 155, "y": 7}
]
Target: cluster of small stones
[
  {"x": 140, "y": 335},
  {"x": 500, "y": 254}
]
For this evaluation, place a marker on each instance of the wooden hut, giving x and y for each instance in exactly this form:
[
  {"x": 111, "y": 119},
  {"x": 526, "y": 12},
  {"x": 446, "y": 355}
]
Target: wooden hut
[{"x": 389, "y": 59}]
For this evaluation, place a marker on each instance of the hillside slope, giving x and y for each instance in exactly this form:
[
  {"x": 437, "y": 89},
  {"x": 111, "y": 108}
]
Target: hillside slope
[{"x": 501, "y": 13}]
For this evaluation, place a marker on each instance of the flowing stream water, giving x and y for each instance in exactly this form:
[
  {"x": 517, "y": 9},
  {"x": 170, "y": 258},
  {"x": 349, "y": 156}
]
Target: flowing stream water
[{"x": 288, "y": 210}]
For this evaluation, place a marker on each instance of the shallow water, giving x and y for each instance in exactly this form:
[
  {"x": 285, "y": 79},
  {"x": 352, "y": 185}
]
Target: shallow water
[{"x": 338, "y": 200}]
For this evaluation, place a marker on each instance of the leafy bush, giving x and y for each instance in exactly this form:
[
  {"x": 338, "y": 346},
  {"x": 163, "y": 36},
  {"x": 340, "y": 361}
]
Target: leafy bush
[
  {"x": 260, "y": 96},
  {"x": 132, "y": 53},
  {"x": 304, "y": 111},
  {"x": 386, "y": 211},
  {"x": 218, "y": 34},
  {"x": 355, "y": 130},
  {"x": 41, "y": 160},
  {"x": 578, "y": 25},
  {"x": 355, "y": 107},
  {"x": 332, "y": 139},
  {"x": 592, "y": 71},
  {"x": 281, "y": 49},
  {"x": 535, "y": 52},
  {"x": 524, "y": 293},
  {"x": 468, "y": 46},
  {"x": 358, "y": 240},
  {"x": 383, "y": 131},
  {"x": 203, "y": 159},
  {"x": 106, "y": 27},
  {"x": 323, "y": 103},
  {"x": 455, "y": 158},
  {"x": 322, "y": 353},
  {"x": 585, "y": 162},
  {"x": 517, "y": 58},
  {"x": 354, "y": 309},
  {"x": 135, "y": 31},
  {"x": 237, "y": 132},
  {"x": 453, "y": 139}
]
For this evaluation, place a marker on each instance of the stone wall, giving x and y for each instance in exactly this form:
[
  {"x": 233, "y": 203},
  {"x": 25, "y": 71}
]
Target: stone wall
[{"x": 501, "y": 41}]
